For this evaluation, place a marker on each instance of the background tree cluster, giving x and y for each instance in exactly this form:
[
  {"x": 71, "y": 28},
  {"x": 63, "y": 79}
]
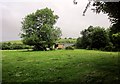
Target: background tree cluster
[
  {"x": 38, "y": 29},
  {"x": 112, "y": 9},
  {"x": 13, "y": 46},
  {"x": 97, "y": 38}
]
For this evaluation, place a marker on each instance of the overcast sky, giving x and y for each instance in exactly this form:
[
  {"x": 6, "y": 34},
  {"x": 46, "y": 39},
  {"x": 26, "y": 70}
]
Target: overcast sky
[{"x": 70, "y": 19}]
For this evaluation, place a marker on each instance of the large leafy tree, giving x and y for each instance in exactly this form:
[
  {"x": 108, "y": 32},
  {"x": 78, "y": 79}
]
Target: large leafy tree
[
  {"x": 100, "y": 38},
  {"x": 112, "y": 9},
  {"x": 86, "y": 37},
  {"x": 38, "y": 29},
  {"x": 93, "y": 37}
]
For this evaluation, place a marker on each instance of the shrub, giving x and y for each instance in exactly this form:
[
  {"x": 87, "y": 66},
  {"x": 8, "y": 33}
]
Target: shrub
[
  {"x": 10, "y": 46},
  {"x": 116, "y": 41},
  {"x": 6, "y": 46},
  {"x": 88, "y": 48},
  {"x": 109, "y": 47},
  {"x": 78, "y": 43},
  {"x": 69, "y": 48}
]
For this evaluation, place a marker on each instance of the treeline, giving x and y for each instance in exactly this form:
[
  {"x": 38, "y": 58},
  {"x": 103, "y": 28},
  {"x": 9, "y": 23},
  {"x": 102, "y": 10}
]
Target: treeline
[
  {"x": 99, "y": 38},
  {"x": 66, "y": 40},
  {"x": 13, "y": 46}
]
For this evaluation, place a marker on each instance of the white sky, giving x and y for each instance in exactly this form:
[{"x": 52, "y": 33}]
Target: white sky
[{"x": 70, "y": 19}]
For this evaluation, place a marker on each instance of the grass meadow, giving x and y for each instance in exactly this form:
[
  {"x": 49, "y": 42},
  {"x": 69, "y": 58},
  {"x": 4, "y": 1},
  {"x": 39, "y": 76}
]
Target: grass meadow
[
  {"x": 62, "y": 40},
  {"x": 60, "y": 66}
]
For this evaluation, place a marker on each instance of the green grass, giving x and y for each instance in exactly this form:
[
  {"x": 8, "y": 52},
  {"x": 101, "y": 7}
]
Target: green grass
[
  {"x": 16, "y": 41},
  {"x": 69, "y": 66},
  {"x": 66, "y": 40},
  {"x": 62, "y": 40}
]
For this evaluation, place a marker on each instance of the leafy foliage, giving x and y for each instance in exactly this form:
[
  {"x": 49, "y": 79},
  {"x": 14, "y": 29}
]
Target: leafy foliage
[
  {"x": 107, "y": 7},
  {"x": 38, "y": 29},
  {"x": 112, "y": 9},
  {"x": 93, "y": 38},
  {"x": 86, "y": 37},
  {"x": 109, "y": 47},
  {"x": 78, "y": 43},
  {"x": 66, "y": 40},
  {"x": 116, "y": 38},
  {"x": 13, "y": 46},
  {"x": 99, "y": 38}
]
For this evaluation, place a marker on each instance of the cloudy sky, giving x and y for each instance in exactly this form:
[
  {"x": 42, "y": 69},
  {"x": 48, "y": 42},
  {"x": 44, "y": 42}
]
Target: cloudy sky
[{"x": 70, "y": 19}]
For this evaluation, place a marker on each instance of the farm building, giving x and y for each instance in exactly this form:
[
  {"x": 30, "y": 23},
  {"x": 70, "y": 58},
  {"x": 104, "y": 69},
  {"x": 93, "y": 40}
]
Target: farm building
[{"x": 62, "y": 45}]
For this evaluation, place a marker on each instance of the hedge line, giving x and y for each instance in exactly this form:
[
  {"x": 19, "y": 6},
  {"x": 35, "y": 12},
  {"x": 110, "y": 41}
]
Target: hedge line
[{"x": 13, "y": 46}]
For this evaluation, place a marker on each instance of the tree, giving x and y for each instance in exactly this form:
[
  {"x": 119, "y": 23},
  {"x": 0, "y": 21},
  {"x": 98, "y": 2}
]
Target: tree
[
  {"x": 93, "y": 37},
  {"x": 86, "y": 37},
  {"x": 116, "y": 38},
  {"x": 38, "y": 29},
  {"x": 112, "y": 9},
  {"x": 78, "y": 43},
  {"x": 107, "y": 8},
  {"x": 114, "y": 15},
  {"x": 100, "y": 38}
]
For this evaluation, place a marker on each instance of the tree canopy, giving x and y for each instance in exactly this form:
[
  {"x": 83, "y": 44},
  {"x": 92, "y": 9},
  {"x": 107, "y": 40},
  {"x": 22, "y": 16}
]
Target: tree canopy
[
  {"x": 93, "y": 38},
  {"x": 38, "y": 29},
  {"x": 112, "y": 9}
]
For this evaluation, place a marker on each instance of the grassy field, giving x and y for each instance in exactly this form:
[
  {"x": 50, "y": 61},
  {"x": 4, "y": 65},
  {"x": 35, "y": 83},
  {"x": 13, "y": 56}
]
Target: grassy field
[
  {"x": 66, "y": 40},
  {"x": 16, "y": 41},
  {"x": 58, "y": 41},
  {"x": 69, "y": 66}
]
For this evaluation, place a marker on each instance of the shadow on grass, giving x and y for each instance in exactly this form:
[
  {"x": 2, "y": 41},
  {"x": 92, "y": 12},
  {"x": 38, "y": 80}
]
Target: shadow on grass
[{"x": 106, "y": 72}]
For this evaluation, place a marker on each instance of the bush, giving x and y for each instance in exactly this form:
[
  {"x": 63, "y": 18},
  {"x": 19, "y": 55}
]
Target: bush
[
  {"x": 89, "y": 48},
  {"x": 69, "y": 48},
  {"x": 116, "y": 41},
  {"x": 6, "y": 46},
  {"x": 109, "y": 47},
  {"x": 78, "y": 43},
  {"x": 10, "y": 46}
]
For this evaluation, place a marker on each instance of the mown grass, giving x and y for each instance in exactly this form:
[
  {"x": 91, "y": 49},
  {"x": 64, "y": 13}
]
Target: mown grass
[{"x": 68, "y": 66}]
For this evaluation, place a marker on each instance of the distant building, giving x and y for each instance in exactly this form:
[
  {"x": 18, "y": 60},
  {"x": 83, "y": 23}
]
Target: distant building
[
  {"x": 62, "y": 45},
  {"x": 59, "y": 46}
]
